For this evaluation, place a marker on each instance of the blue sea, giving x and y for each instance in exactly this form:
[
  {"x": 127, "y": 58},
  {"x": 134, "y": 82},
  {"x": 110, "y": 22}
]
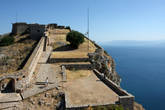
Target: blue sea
[{"x": 142, "y": 70}]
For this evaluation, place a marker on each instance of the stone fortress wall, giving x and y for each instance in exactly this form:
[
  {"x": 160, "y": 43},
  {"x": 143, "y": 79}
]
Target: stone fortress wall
[
  {"x": 36, "y": 31},
  {"x": 110, "y": 79},
  {"x": 33, "y": 60},
  {"x": 25, "y": 76},
  {"x": 19, "y": 28},
  {"x": 60, "y": 34},
  {"x": 125, "y": 99}
]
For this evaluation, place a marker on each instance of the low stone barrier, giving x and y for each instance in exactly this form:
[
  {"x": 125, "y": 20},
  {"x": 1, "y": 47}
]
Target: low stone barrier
[
  {"x": 125, "y": 98},
  {"x": 110, "y": 84},
  {"x": 127, "y": 102},
  {"x": 57, "y": 60},
  {"x": 79, "y": 66}
]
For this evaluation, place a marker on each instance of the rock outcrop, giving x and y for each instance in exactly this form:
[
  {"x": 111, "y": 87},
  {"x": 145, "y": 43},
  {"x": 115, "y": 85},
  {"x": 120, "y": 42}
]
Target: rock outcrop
[
  {"x": 105, "y": 64},
  {"x": 138, "y": 106}
]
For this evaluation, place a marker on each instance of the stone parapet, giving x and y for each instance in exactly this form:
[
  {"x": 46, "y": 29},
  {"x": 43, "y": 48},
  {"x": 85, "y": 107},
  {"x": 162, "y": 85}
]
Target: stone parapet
[
  {"x": 125, "y": 98},
  {"x": 127, "y": 102}
]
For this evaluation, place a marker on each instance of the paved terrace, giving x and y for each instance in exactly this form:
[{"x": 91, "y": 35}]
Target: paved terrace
[
  {"x": 42, "y": 71},
  {"x": 46, "y": 70},
  {"x": 88, "y": 91}
]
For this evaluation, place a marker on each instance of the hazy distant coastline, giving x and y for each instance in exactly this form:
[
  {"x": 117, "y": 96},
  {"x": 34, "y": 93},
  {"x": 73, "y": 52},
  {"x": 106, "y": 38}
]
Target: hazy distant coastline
[{"x": 134, "y": 43}]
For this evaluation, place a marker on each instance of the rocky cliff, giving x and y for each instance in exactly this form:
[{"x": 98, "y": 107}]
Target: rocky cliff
[{"x": 105, "y": 64}]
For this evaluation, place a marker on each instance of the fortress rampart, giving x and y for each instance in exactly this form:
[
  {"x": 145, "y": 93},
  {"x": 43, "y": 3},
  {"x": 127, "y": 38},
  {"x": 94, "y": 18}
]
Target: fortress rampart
[
  {"x": 24, "y": 76},
  {"x": 31, "y": 65},
  {"x": 100, "y": 62},
  {"x": 33, "y": 60},
  {"x": 36, "y": 31},
  {"x": 19, "y": 28}
]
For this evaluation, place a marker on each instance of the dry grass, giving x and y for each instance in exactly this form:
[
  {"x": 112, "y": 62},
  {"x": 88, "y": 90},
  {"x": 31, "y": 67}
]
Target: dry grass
[
  {"x": 16, "y": 54},
  {"x": 81, "y": 52},
  {"x": 76, "y": 74},
  {"x": 54, "y": 37},
  {"x": 87, "y": 46},
  {"x": 69, "y": 54}
]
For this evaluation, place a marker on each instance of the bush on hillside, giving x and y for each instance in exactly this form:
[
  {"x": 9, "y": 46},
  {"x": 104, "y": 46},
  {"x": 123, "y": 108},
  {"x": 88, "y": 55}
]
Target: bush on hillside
[
  {"x": 68, "y": 27},
  {"x": 7, "y": 40},
  {"x": 75, "y": 38}
]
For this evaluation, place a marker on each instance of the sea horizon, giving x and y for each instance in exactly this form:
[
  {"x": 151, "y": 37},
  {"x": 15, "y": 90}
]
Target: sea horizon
[{"x": 142, "y": 72}]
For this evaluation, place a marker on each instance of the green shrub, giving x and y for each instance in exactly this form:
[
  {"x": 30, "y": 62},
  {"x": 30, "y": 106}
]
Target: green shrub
[
  {"x": 7, "y": 40},
  {"x": 75, "y": 38},
  {"x": 68, "y": 27}
]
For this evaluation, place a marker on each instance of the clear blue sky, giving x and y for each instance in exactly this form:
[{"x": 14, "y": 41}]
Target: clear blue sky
[{"x": 109, "y": 19}]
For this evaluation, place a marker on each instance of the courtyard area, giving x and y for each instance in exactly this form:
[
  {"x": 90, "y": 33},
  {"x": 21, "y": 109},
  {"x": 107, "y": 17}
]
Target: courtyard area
[{"x": 86, "y": 89}]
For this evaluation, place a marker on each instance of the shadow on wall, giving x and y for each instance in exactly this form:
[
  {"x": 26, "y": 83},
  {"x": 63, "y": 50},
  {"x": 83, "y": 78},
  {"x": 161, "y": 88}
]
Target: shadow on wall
[
  {"x": 27, "y": 57},
  {"x": 7, "y": 85},
  {"x": 64, "y": 48}
]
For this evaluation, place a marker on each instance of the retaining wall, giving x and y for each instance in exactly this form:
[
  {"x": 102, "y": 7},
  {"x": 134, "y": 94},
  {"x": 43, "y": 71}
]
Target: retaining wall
[
  {"x": 56, "y": 60},
  {"x": 79, "y": 66},
  {"x": 33, "y": 60},
  {"x": 127, "y": 102}
]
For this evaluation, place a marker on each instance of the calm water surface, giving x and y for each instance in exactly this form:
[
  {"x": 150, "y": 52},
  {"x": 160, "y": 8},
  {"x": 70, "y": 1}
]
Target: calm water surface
[{"x": 142, "y": 70}]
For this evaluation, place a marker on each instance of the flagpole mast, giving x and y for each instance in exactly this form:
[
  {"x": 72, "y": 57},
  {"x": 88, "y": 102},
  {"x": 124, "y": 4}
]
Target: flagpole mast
[{"x": 88, "y": 27}]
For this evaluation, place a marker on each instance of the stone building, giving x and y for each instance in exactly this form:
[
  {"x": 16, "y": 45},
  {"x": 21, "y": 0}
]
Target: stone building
[
  {"x": 19, "y": 28},
  {"x": 35, "y": 30},
  {"x": 51, "y": 26}
]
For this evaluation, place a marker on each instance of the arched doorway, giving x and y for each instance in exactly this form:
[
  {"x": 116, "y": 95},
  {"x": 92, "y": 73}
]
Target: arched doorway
[{"x": 7, "y": 85}]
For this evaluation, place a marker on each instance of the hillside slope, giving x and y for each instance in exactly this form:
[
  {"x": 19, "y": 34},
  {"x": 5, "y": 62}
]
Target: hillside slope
[{"x": 12, "y": 57}]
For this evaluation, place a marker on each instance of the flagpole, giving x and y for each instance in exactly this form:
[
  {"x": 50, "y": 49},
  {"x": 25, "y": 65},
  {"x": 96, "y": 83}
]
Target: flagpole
[{"x": 88, "y": 27}]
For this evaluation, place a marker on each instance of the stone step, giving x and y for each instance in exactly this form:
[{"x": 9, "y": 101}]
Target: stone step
[
  {"x": 10, "y": 106},
  {"x": 9, "y": 97}
]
